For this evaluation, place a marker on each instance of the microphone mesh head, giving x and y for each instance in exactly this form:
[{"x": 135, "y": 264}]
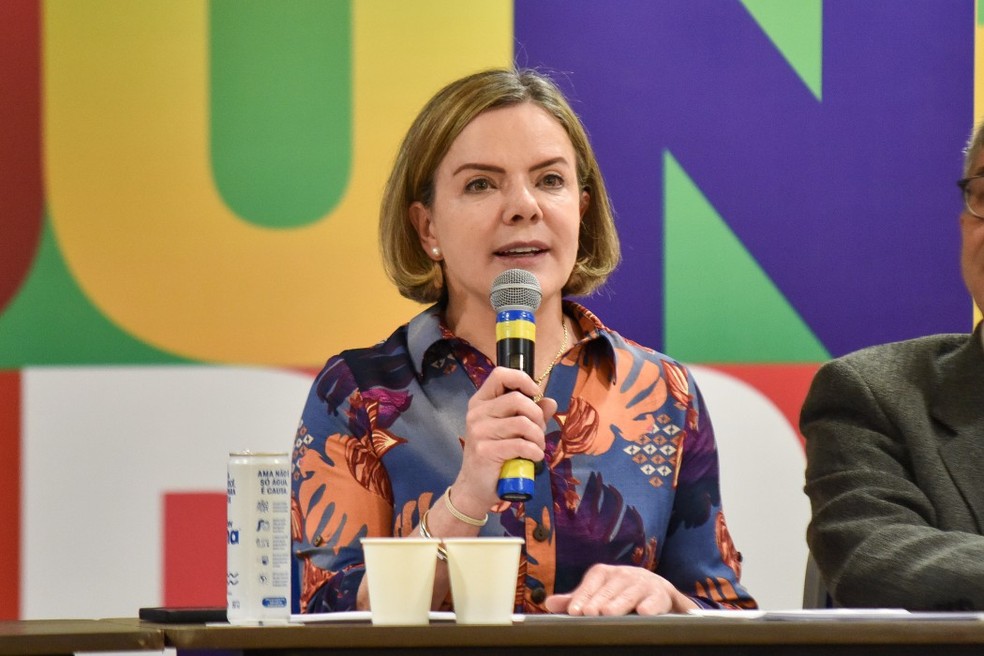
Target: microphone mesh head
[{"x": 516, "y": 287}]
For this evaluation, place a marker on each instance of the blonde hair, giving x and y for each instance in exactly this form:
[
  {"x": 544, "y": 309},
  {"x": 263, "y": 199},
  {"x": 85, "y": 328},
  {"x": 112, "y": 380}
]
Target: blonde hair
[{"x": 427, "y": 142}]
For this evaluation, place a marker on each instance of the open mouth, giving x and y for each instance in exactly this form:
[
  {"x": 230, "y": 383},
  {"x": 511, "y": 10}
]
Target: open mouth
[{"x": 520, "y": 252}]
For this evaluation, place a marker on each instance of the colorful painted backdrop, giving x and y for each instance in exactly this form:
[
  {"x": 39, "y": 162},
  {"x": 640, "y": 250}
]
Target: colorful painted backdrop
[{"x": 188, "y": 201}]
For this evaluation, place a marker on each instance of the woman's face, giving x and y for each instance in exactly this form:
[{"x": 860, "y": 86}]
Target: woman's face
[{"x": 505, "y": 196}]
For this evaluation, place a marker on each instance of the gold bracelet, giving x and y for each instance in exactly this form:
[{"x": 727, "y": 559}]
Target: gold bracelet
[
  {"x": 442, "y": 553},
  {"x": 460, "y": 516}
]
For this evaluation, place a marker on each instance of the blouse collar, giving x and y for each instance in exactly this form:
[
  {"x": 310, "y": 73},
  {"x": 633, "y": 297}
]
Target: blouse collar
[{"x": 429, "y": 339}]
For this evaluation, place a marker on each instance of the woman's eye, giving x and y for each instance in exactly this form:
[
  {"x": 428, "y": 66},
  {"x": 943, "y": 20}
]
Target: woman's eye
[
  {"x": 481, "y": 184},
  {"x": 552, "y": 180}
]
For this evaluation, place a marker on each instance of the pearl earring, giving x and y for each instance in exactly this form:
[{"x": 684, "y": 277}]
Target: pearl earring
[{"x": 436, "y": 251}]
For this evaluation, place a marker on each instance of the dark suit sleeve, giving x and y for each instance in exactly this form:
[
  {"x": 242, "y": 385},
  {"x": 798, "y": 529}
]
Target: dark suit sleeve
[{"x": 873, "y": 530}]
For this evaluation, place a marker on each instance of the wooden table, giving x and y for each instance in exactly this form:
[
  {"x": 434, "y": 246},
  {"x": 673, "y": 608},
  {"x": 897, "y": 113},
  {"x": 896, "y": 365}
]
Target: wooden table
[
  {"x": 626, "y": 636},
  {"x": 70, "y": 636}
]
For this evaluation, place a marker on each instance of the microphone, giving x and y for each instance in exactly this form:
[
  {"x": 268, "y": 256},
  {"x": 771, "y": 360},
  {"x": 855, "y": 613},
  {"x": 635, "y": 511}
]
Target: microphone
[{"x": 515, "y": 296}]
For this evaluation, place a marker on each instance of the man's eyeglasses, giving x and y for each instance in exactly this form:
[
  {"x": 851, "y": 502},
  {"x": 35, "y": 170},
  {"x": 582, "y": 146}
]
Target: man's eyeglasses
[{"x": 973, "y": 194}]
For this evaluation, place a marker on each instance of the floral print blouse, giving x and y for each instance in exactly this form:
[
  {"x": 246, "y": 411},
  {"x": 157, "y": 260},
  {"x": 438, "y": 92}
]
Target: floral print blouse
[{"x": 631, "y": 473}]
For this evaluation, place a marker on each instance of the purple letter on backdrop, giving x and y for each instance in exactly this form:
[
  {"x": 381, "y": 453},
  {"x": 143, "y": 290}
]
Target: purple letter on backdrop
[{"x": 848, "y": 203}]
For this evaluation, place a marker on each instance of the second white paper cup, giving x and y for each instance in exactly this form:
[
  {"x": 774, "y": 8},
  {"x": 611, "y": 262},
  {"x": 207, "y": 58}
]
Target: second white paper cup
[
  {"x": 483, "y": 575},
  {"x": 401, "y": 579}
]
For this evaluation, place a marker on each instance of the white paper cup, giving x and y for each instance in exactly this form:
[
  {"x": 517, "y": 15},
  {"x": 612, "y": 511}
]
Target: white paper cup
[
  {"x": 483, "y": 575},
  {"x": 401, "y": 579}
]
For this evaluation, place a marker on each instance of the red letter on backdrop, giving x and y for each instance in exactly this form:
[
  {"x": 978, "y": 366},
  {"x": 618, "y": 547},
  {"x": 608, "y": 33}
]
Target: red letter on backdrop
[{"x": 21, "y": 193}]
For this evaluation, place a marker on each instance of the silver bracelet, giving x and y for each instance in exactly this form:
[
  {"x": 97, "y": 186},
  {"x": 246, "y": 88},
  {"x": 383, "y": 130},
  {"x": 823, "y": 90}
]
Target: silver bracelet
[
  {"x": 460, "y": 516},
  {"x": 442, "y": 553}
]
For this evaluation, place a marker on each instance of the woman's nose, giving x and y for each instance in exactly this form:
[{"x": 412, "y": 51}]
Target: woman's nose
[{"x": 521, "y": 204}]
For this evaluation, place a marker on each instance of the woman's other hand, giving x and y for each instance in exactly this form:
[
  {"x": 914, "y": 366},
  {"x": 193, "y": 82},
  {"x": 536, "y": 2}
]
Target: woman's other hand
[{"x": 620, "y": 590}]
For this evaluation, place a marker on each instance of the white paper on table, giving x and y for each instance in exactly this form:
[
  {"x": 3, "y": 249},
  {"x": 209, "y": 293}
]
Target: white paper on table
[
  {"x": 838, "y": 614},
  {"x": 366, "y": 616}
]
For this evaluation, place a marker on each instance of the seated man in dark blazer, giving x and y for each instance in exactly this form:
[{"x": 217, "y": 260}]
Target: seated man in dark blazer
[{"x": 895, "y": 456}]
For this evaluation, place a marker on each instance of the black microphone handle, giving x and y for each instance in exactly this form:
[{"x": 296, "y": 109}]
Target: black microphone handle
[{"x": 515, "y": 353}]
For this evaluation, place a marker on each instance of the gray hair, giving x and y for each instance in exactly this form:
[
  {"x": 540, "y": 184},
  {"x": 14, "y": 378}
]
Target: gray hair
[{"x": 973, "y": 149}]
